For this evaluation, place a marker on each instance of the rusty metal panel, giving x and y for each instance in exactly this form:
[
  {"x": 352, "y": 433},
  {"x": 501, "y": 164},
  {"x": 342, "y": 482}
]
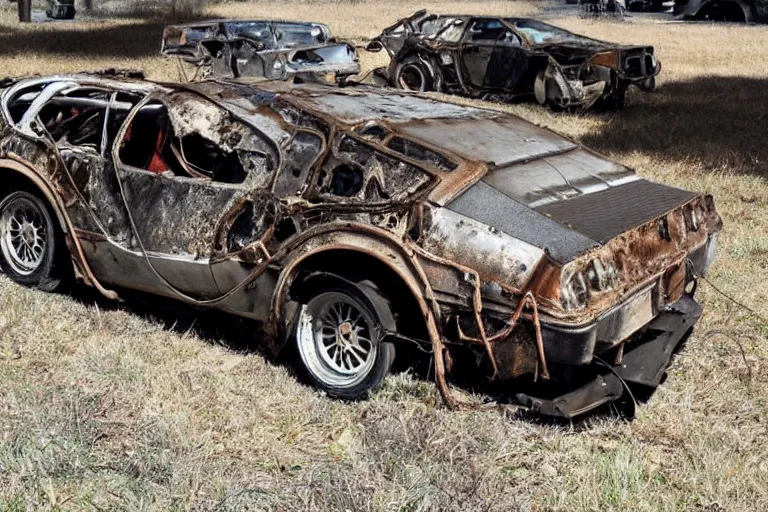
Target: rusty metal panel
[
  {"x": 554, "y": 178},
  {"x": 495, "y": 255},
  {"x": 606, "y": 214},
  {"x": 485, "y": 204},
  {"x": 498, "y": 141},
  {"x": 364, "y": 104}
]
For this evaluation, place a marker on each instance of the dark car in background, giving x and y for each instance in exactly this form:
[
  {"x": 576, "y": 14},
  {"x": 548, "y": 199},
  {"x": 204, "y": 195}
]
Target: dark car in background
[
  {"x": 509, "y": 58},
  {"x": 737, "y": 11}
]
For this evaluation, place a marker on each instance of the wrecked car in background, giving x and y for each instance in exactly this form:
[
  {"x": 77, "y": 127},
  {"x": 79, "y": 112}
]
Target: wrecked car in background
[
  {"x": 357, "y": 223},
  {"x": 55, "y": 9},
  {"x": 736, "y": 11},
  {"x": 261, "y": 48},
  {"x": 509, "y": 58}
]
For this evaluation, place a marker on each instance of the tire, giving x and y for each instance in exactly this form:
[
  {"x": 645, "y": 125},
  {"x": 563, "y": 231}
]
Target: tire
[
  {"x": 61, "y": 12},
  {"x": 728, "y": 12},
  {"x": 339, "y": 339},
  {"x": 415, "y": 74},
  {"x": 32, "y": 248},
  {"x": 616, "y": 99},
  {"x": 647, "y": 85},
  {"x": 541, "y": 92}
]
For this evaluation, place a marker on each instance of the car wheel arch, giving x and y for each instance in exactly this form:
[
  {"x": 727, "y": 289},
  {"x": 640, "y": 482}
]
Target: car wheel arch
[
  {"x": 716, "y": 5},
  {"x": 39, "y": 185},
  {"x": 21, "y": 177},
  {"x": 394, "y": 272},
  {"x": 429, "y": 61}
]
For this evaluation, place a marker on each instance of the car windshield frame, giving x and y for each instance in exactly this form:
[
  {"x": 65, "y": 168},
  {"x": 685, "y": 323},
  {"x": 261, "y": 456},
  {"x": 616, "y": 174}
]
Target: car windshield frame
[{"x": 557, "y": 34}]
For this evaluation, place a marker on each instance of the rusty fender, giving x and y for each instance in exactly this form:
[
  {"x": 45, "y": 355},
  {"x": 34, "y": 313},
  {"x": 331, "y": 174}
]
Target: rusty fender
[
  {"x": 18, "y": 164},
  {"x": 402, "y": 258}
]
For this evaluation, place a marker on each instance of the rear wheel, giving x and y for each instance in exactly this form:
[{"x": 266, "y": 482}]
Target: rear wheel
[
  {"x": 731, "y": 12},
  {"x": 415, "y": 74},
  {"x": 30, "y": 242},
  {"x": 339, "y": 339}
]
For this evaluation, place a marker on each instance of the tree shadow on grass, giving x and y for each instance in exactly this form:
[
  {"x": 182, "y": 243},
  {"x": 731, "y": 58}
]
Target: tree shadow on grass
[
  {"x": 136, "y": 39},
  {"x": 718, "y": 121}
]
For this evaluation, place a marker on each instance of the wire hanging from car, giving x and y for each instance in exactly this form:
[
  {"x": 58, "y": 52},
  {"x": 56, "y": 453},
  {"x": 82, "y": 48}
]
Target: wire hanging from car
[{"x": 751, "y": 311}]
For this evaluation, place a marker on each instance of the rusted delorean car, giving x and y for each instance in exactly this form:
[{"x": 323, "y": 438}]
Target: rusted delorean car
[
  {"x": 276, "y": 50},
  {"x": 509, "y": 58},
  {"x": 354, "y": 222}
]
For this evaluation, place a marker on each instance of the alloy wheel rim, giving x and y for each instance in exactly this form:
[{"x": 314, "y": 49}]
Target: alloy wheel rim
[
  {"x": 24, "y": 237},
  {"x": 337, "y": 340}
]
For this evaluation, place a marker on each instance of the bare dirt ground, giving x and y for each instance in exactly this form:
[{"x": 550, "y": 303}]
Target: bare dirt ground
[{"x": 105, "y": 407}]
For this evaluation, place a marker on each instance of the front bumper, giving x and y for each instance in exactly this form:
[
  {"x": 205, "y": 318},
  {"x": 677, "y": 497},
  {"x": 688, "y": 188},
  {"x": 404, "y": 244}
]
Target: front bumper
[{"x": 644, "y": 363}]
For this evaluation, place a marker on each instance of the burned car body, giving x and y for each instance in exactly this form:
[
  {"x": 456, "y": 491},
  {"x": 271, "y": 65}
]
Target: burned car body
[
  {"x": 261, "y": 48},
  {"x": 507, "y": 58},
  {"x": 354, "y": 221}
]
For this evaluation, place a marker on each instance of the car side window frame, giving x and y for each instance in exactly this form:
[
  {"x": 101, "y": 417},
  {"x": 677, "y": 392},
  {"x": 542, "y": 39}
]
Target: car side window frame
[
  {"x": 32, "y": 126},
  {"x": 468, "y": 34},
  {"x": 208, "y": 181},
  {"x": 25, "y": 125},
  {"x": 110, "y": 97}
]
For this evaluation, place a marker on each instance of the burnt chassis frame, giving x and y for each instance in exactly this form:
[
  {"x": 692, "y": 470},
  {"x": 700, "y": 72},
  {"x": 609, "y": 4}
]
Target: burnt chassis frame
[
  {"x": 402, "y": 256},
  {"x": 215, "y": 53},
  {"x": 428, "y": 50}
]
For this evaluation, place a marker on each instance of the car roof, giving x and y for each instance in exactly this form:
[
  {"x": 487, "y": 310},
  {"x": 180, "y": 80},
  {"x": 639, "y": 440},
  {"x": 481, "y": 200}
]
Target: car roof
[
  {"x": 478, "y": 17},
  {"x": 207, "y": 23}
]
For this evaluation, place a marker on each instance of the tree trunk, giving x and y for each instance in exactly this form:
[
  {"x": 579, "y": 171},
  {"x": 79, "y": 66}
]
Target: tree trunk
[{"x": 25, "y": 10}]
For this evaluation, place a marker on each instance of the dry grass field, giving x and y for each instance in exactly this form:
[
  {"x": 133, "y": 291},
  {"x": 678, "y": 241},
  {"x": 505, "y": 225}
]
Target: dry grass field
[{"x": 106, "y": 407}]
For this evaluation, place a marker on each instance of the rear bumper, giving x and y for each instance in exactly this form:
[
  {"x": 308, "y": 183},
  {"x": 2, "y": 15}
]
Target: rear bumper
[
  {"x": 644, "y": 363},
  {"x": 579, "y": 345}
]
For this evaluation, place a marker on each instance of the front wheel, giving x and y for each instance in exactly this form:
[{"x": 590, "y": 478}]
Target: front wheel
[
  {"x": 339, "y": 337},
  {"x": 29, "y": 241}
]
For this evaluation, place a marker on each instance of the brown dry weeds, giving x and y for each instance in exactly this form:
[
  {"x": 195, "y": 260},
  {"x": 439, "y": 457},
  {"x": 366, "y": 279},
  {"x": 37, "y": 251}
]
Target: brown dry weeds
[{"x": 104, "y": 409}]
